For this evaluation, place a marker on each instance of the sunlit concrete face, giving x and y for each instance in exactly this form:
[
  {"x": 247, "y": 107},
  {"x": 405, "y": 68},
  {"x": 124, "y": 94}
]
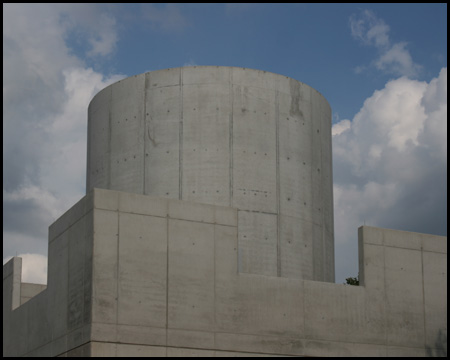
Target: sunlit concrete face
[{"x": 248, "y": 139}]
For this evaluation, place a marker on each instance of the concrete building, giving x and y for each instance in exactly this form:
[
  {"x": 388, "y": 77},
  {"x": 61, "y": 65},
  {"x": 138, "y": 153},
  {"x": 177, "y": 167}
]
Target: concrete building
[{"x": 207, "y": 230}]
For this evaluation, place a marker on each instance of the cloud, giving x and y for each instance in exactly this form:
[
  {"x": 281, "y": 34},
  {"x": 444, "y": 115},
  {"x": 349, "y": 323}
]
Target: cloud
[
  {"x": 34, "y": 268},
  {"x": 369, "y": 29},
  {"x": 390, "y": 162},
  {"x": 398, "y": 60},
  {"x": 46, "y": 91},
  {"x": 393, "y": 58}
]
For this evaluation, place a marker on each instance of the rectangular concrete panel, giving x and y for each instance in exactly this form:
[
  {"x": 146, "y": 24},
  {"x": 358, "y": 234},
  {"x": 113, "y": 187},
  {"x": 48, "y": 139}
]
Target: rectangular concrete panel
[
  {"x": 163, "y": 78},
  {"x": 206, "y": 143},
  {"x": 191, "y": 275},
  {"x": 206, "y": 75},
  {"x": 76, "y": 279},
  {"x": 254, "y": 149},
  {"x": 258, "y": 248},
  {"x": 344, "y": 318},
  {"x": 296, "y": 248},
  {"x": 142, "y": 270},
  {"x": 403, "y": 271},
  {"x": 105, "y": 267},
  {"x": 435, "y": 294},
  {"x": 317, "y": 112},
  {"x": 162, "y": 137},
  {"x": 127, "y": 135},
  {"x": 58, "y": 282},
  {"x": 295, "y": 151}
]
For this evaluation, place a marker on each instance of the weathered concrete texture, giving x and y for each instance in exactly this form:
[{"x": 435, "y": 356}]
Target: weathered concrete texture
[
  {"x": 249, "y": 139},
  {"x": 133, "y": 275}
]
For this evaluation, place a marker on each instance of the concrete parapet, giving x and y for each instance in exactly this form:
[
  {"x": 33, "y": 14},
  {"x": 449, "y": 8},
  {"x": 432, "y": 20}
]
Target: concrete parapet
[{"x": 135, "y": 275}]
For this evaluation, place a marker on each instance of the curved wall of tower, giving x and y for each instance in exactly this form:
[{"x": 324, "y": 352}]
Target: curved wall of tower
[{"x": 249, "y": 139}]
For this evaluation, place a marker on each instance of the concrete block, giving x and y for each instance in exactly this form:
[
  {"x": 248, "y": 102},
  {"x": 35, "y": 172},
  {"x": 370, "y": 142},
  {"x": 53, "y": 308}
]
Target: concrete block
[
  {"x": 254, "y": 149},
  {"x": 144, "y": 335},
  {"x": 162, "y": 78},
  {"x": 76, "y": 280},
  {"x": 336, "y": 312},
  {"x": 189, "y": 338},
  {"x": 206, "y": 143},
  {"x": 180, "y": 352},
  {"x": 126, "y": 350},
  {"x": 163, "y": 114},
  {"x": 206, "y": 74},
  {"x": 435, "y": 297},
  {"x": 100, "y": 349},
  {"x": 434, "y": 243},
  {"x": 404, "y": 297},
  {"x": 225, "y": 215},
  {"x": 259, "y": 344},
  {"x": 144, "y": 205},
  {"x": 401, "y": 351},
  {"x": 191, "y": 211},
  {"x": 226, "y": 249},
  {"x": 106, "y": 199},
  {"x": 191, "y": 275},
  {"x": 257, "y": 252},
  {"x": 58, "y": 282},
  {"x": 296, "y": 248},
  {"x": 343, "y": 349},
  {"x": 127, "y": 135},
  {"x": 104, "y": 332},
  {"x": 142, "y": 270},
  {"x": 105, "y": 267}
]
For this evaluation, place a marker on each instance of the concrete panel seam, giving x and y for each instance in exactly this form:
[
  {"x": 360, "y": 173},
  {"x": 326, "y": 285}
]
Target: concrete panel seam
[
  {"x": 277, "y": 157},
  {"x": 109, "y": 141},
  {"x": 230, "y": 134},
  {"x": 180, "y": 140},
  {"x": 167, "y": 277},
  {"x": 117, "y": 269},
  {"x": 405, "y": 248},
  {"x": 144, "y": 115}
]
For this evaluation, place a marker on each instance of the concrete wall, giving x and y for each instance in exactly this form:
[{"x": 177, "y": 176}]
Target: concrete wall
[
  {"x": 135, "y": 275},
  {"x": 253, "y": 140}
]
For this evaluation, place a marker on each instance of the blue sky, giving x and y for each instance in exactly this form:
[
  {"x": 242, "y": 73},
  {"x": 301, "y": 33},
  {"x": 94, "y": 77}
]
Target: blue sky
[{"x": 382, "y": 67}]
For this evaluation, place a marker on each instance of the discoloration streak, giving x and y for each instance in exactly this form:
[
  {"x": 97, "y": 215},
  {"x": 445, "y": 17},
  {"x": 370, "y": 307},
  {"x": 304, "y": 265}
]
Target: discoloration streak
[
  {"x": 150, "y": 137},
  {"x": 295, "y": 100}
]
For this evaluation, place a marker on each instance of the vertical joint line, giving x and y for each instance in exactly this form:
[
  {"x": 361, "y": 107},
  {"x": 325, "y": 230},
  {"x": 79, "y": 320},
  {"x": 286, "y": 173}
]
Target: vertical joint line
[
  {"x": 180, "y": 141},
  {"x": 231, "y": 137},
  {"x": 117, "y": 269},
  {"x": 277, "y": 122},
  {"x": 109, "y": 155},
  {"x": 167, "y": 276},
  {"x": 144, "y": 132}
]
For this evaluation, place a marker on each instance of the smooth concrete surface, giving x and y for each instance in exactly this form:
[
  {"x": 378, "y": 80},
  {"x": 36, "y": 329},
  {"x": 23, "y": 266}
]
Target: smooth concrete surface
[
  {"x": 248, "y": 139},
  {"x": 134, "y": 275}
]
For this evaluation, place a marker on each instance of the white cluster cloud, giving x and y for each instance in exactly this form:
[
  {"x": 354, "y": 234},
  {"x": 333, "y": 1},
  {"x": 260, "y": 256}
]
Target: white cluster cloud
[
  {"x": 390, "y": 161},
  {"x": 46, "y": 92},
  {"x": 393, "y": 58}
]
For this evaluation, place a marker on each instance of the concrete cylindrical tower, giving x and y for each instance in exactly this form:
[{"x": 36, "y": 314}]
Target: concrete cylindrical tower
[{"x": 249, "y": 139}]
